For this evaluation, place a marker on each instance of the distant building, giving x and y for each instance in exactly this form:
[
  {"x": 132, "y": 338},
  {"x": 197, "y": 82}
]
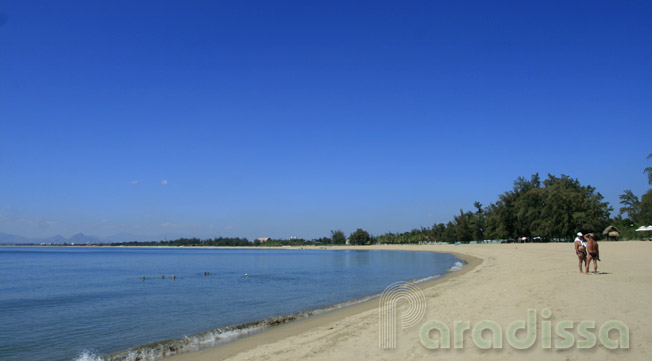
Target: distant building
[{"x": 263, "y": 240}]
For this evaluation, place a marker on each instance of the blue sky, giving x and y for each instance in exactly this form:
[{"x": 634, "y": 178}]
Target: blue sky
[{"x": 292, "y": 118}]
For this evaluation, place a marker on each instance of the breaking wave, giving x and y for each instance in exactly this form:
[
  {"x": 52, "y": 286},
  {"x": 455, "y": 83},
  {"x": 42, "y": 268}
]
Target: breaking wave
[{"x": 456, "y": 267}]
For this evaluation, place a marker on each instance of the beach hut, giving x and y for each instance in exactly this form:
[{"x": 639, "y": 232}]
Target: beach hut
[{"x": 611, "y": 232}]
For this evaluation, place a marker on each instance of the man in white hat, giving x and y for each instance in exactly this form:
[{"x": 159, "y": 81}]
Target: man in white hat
[{"x": 580, "y": 249}]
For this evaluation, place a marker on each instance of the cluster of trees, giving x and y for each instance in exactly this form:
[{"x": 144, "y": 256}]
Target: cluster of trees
[
  {"x": 192, "y": 242},
  {"x": 413, "y": 236},
  {"x": 282, "y": 242},
  {"x": 555, "y": 208},
  {"x": 337, "y": 237},
  {"x": 359, "y": 237}
]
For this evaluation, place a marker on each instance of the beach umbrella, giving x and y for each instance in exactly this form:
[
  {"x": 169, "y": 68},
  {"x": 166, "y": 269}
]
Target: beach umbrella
[{"x": 643, "y": 229}]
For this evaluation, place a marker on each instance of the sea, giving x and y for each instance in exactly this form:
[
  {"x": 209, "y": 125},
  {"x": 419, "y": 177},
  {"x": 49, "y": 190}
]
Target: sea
[{"x": 112, "y": 303}]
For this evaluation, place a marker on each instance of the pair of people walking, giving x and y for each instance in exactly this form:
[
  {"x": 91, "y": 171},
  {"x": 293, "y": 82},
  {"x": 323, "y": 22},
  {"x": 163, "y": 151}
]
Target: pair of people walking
[{"x": 586, "y": 248}]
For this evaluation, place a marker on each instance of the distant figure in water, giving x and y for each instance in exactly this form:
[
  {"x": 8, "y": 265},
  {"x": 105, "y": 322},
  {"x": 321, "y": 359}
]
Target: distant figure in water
[
  {"x": 162, "y": 277},
  {"x": 174, "y": 277},
  {"x": 246, "y": 275},
  {"x": 206, "y": 273},
  {"x": 143, "y": 278}
]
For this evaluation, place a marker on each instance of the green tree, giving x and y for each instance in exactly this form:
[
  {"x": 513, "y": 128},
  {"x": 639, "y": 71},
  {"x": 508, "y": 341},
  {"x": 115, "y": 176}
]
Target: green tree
[
  {"x": 338, "y": 237},
  {"x": 492, "y": 222},
  {"x": 501, "y": 217},
  {"x": 569, "y": 207},
  {"x": 555, "y": 208},
  {"x": 645, "y": 215},
  {"x": 478, "y": 222},
  {"x": 630, "y": 205},
  {"x": 449, "y": 234},
  {"x": 463, "y": 230},
  {"x": 438, "y": 231},
  {"x": 360, "y": 237},
  {"x": 323, "y": 240},
  {"x": 387, "y": 238}
]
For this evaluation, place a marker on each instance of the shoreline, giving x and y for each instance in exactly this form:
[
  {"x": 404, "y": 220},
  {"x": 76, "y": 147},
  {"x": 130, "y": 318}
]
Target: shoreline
[
  {"x": 504, "y": 285},
  {"x": 315, "y": 318},
  {"x": 226, "y": 335},
  {"x": 206, "y": 338}
]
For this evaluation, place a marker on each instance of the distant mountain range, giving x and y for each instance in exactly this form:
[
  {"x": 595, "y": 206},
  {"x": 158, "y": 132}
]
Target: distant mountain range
[{"x": 6, "y": 238}]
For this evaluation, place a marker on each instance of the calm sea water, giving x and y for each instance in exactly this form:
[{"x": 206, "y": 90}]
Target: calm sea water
[{"x": 73, "y": 303}]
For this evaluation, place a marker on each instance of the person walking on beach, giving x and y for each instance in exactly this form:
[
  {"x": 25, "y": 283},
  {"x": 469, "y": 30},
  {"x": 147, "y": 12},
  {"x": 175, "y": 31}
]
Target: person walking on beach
[
  {"x": 594, "y": 253},
  {"x": 580, "y": 250}
]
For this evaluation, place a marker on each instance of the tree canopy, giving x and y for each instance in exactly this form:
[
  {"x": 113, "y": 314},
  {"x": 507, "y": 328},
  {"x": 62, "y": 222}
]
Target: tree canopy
[
  {"x": 556, "y": 208},
  {"x": 338, "y": 237},
  {"x": 360, "y": 237}
]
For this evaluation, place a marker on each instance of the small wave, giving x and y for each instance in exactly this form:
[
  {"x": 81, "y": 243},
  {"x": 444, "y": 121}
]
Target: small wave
[
  {"x": 158, "y": 350},
  {"x": 426, "y": 279},
  {"x": 456, "y": 267},
  {"x": 88, "y": 356}
]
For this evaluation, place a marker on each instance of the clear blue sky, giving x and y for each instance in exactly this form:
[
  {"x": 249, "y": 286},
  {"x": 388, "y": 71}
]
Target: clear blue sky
[{"x": 279, "y": 118}]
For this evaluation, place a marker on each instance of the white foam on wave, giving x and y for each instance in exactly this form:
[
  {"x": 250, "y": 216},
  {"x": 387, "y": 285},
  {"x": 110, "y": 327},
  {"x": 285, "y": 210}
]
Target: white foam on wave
[
  {"x": 158, "y": 350},
  {"x": 88, "y": 356},
  {"x": 456, "y": 267},
  {"x": 426, "y": 279}
]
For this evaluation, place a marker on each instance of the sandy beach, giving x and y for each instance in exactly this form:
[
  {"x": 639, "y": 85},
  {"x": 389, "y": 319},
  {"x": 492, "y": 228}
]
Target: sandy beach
[{"x": 500, "y": 283}]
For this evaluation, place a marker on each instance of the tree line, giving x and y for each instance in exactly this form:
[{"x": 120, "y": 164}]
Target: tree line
[
  {"x": 551, "y": 209},
  {"x": 190, "y": 242}
]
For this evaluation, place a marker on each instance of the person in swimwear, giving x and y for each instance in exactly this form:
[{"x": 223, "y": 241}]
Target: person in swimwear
[
  {"x": 594, "y": 253},
  {"x": 580, "y": 250}
]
